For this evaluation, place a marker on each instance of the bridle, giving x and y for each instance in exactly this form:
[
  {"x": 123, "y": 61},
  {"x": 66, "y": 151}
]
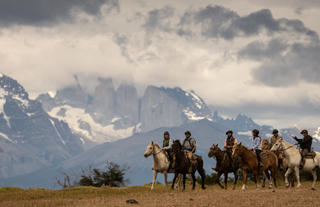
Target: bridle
[{"x": 153, "y": 150}]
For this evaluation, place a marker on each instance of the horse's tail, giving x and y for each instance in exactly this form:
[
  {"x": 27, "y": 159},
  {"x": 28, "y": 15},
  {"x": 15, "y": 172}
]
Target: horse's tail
[{"x": 201, "y": 171}]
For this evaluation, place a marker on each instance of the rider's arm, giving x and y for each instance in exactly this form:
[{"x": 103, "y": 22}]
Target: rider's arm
[
  {"x": 194, "y": 149},
  {"x": 235, "y": 141},
  {"x": 194, "y": 145},
  {"x": 225, "y": 144}
]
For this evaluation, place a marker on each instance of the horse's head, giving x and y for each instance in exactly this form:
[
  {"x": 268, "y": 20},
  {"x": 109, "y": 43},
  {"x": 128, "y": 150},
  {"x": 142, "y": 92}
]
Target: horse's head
[
  {"x": 214, "y": 150},
  {"x": 149, "y": 149},
  {"x": 277, "y": 146},
  {"x": 265, "y": 145},
  {"x": 176, "y": 146},
  {"x": 237, "y": 150}
]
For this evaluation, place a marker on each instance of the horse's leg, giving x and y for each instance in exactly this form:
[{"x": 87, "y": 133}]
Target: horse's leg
[
  {"x": 184, "y": 181},
  {"x": 244, "y": 174},
  {"x": 225, "y": 180},
  {"x": 296, "y": 169},
  {"x": 314, "y": 174},
  {"x": 267, "y": 175},
  {"x": 174, "y": 179},
  {"x": 165, "y": 174},
  {"x": 193, "y": 181},
  {"x": 218, "y": 179},
  {"x": 235, "y": 179},
  {"x": 289, "y": 171},
  {"x": 154, "y": 179},
  {"x": 179, "y": 182},
  {"x": 255, "y": 180},
  {"x": 274, "y": 176}
]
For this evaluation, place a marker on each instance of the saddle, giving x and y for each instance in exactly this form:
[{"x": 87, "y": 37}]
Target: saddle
[{"x": 310, "y": 155}]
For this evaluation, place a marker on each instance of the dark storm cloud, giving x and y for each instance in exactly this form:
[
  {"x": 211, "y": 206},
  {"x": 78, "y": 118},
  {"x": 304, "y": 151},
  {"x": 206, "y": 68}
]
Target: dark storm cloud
[
  {"x": 257, "y": 50},
  {"x": 47, "y": 12},
  {"x": 159, "y": 19},
  {"x": 220, "y": 22},
  {"x": 301, "y": 63}
]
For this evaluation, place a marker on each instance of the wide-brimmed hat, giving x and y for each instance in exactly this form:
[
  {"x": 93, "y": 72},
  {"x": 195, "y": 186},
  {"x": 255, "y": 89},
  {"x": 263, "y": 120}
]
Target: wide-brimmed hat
[{"x": 229, "y": 131}]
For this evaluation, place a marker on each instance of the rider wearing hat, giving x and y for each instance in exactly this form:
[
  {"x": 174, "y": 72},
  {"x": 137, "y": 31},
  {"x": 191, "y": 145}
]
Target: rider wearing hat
[
  {"x": 167, "y": 144},
  {"x": 189, "y": 144},
  {"x": 275, "y": 137},
  {"x": 305, "y": 145},
  {"x": 279, "y": 153},
  {"x": 256, "y": 142},
  {"x": 229, "y": 143}
]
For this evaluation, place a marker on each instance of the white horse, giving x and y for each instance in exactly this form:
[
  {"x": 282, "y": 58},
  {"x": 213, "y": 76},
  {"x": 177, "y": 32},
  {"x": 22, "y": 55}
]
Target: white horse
[
  {"x": 293, "y": 155},
  {"x": 160, "y": 162}
]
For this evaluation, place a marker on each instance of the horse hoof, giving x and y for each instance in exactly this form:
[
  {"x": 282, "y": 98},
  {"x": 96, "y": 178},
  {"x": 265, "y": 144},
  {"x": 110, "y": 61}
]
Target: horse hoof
[
  {"x": 273, "y": 190},
  {"x": 313, "y": 189}
]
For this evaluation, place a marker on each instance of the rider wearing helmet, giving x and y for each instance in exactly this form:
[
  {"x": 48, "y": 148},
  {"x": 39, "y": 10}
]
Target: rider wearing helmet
[{"x": 305, "y": 145}]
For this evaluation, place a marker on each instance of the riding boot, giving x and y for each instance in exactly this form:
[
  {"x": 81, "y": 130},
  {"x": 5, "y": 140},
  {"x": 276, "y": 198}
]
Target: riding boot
[{"x": 301, "y": 163}]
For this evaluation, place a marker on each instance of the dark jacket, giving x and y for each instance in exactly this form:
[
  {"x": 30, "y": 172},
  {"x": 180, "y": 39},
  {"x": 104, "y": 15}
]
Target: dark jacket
[{"x": 305, "y": 142}]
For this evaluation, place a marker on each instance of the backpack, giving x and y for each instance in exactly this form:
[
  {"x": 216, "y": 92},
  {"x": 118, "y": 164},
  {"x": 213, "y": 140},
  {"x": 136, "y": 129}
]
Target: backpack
[{"x": 189, "y": 140}]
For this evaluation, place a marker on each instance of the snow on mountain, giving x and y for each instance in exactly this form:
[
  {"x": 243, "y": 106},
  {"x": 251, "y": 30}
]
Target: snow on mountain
[
  {"x": 83, "y": 124},
  {"x": 29, "y": 138},
  {"x": 110, "y": 114}
]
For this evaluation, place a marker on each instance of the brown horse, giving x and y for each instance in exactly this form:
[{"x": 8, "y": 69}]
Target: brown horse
[
  {"x": 249, "y": 164},
  {"x": 223, "y": 166},
  {"x": 183, "y": 165},
  {"x": 265, "y": 144},
  {"x": 283, "y": 165}
]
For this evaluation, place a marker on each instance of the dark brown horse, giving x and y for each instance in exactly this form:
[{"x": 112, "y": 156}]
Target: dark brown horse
[
  {"x": 249, "y": 164},
  {"x": 183, "y": 165},
  {"x": 223, "y": 166}
]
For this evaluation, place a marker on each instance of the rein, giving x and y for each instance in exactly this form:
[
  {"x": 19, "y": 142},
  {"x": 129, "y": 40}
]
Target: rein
[{"x": 287, "y": 148}]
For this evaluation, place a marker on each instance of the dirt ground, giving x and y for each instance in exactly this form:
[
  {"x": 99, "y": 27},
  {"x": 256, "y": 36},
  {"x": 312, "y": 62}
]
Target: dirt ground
[{"x": 212, "y": 196}]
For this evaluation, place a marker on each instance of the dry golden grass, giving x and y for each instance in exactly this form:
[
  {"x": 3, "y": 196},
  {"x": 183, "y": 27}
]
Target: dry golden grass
[{"x": 212, "y": 196}]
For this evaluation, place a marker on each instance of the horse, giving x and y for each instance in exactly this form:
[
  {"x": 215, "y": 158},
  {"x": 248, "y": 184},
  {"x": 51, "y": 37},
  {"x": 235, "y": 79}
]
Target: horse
[
  {"x": 223, "y": 166},
  {"x": 249, "y": 163},
  {"x": 183, "y": 165},
  {"x": 161, "y": 162},
  {"x": 265, "y": 144},
  {"x": 294, "y": 158}
]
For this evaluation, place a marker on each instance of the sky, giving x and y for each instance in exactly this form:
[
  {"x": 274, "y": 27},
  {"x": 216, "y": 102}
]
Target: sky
[{"x": 255, "y": 57}]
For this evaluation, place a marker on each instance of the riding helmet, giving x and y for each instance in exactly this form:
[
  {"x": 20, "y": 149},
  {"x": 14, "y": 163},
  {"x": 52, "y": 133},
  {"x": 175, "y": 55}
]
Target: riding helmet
[
  {"x": 229, "y": 131},
  {"x": 187, "y": 132},
  {"x": 166, "y": 133},
  {"x": 275, "y": 131}
]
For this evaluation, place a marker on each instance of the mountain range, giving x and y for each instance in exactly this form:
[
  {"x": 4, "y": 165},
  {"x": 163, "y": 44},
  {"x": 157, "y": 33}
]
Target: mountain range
[{"x": 71, "y": 129}]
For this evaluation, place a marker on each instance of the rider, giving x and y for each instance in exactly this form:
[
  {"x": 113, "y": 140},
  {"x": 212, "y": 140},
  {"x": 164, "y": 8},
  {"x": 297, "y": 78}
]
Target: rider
[
  {"x": 189, "y": 144},
  {"x": 305, "y": 145},
  {"x": 256, "y": 142},
  {"x": 167, "y": 144},
  {"x": 229, "y": 143},
  {"x": 273, "y": 140}
]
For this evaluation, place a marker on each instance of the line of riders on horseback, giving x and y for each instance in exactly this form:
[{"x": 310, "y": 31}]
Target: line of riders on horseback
[{"x": 262, "y": 156}]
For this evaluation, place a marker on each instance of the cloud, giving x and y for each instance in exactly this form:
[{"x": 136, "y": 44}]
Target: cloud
[
  {"x": 48, "y": 12},
  {"x": 158, "y": 19},
  {"x": 220, "y": 22},
  {"x": 301, "y": 63}
]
